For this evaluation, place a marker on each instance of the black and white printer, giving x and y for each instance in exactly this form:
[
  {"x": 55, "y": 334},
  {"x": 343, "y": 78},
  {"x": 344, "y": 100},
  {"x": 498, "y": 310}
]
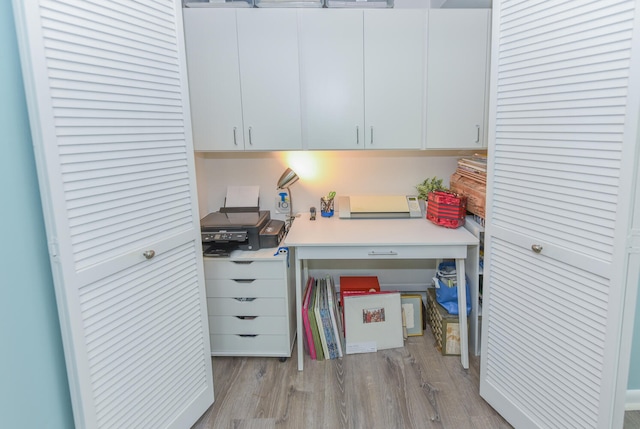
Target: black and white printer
[{"x": 240, "y": 224}]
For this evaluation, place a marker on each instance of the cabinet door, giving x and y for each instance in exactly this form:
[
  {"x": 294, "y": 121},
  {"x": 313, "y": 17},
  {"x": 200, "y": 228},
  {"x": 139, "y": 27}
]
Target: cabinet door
[
  {"x": 269, "y": 72},
  {"x": 214, "y": 78},
  {"x": 563, "y": 139},
  {"x": 332, "y": 78},
  {"x": 108, "y": 106},
  {"x": 457, "y": 77},
  {"x": 394, "y": 53}
]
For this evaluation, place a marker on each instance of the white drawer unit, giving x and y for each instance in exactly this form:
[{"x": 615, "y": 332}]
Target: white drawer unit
[{"x": 251, "y": 303}]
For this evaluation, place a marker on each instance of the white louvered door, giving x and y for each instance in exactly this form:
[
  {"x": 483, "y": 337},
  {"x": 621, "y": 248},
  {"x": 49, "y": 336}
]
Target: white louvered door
[
  {"x": 107, "y": 97},
  {"x": 563, "y": 131}
]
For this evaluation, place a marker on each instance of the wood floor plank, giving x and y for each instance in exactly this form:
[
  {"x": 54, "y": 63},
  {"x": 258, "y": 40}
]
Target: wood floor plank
[
  {"x": 632, "y": 420},
  {"x": 413, "y": 387}
]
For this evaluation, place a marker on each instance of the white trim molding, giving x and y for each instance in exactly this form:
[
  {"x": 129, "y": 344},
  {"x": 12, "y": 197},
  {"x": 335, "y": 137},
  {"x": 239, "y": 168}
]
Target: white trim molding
[{"x": 632, "y": 402}]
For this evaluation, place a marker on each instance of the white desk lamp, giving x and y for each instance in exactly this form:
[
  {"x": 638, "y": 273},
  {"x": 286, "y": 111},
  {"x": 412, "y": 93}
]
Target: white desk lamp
[{"x": 288, "y": 178}]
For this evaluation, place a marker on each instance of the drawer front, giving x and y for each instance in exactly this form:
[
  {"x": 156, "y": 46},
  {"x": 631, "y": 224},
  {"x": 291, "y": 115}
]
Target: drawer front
[
  {"x": 258, "y": 345},
  {"x": 246, "y": 307},
  {"x": 382, "y": 252},
  {"x": 226, "y": 269},
  {"x": 270, "y": 325},
  {"x": 266, "y": 288}
]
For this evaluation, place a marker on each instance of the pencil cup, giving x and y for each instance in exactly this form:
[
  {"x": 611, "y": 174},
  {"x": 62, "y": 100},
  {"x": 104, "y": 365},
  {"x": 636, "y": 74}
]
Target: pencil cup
[{"x": 326, "y": 207}]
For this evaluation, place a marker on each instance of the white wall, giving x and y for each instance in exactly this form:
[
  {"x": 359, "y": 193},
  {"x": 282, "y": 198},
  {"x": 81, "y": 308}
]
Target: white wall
[{"x": 346, "y": 172}]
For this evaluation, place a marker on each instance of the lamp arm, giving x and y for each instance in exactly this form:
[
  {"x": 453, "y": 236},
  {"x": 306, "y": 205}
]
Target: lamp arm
[{"x": 290, "y": 219}]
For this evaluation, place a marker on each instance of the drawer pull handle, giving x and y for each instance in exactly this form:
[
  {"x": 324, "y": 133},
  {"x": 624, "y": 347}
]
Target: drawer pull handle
[
  {"x": 247, "y": 317},
  {"x": 245, "y": 299},
  {"x": 244, "y": 280},
  {"x": 389, "y": 253},
  {"x": 248, "y": 335},
  {"x": 242, "y": 262}
]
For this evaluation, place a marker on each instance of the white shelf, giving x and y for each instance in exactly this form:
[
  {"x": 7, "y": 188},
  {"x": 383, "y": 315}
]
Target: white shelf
[{"x": 474, "y": 227}]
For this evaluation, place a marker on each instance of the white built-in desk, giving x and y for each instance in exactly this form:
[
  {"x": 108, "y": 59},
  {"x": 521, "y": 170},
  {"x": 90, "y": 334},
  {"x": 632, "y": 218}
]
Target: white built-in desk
[{"x": 417, "y": 238}]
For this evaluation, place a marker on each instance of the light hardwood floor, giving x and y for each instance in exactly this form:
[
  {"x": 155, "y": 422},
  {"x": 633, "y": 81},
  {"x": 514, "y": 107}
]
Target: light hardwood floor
[{"x": 410, "y": 387}]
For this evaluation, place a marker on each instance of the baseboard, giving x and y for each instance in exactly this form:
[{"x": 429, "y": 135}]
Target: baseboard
[{"x": 632, "y": 402}]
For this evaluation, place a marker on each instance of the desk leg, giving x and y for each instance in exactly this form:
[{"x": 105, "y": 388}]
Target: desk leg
[
  {"x": 299, "y": 332},
  {"x": 462, "y": 314}
]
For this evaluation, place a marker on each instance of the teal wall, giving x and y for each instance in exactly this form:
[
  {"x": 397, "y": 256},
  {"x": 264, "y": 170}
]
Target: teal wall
[{"x": 33, "y": 379}]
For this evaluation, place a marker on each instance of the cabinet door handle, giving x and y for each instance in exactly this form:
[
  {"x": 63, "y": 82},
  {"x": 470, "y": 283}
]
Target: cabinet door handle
[
  {"x": 250, "y": 141},
  {"x": 537, "y": 248},
  {"x": 389, "y": 253},
  {"x": 244, "y": 280},
  {"x": 357, "y": 135},
  {"x": 372, "y": 134},
  {"x": 235, "y": 139},
  {"x": 477, "y": 133},
  {"x": 149, "y": 254}
]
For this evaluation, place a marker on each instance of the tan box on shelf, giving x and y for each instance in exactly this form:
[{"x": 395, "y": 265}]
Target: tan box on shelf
[
  {"x": 445, "y": 326},
  {"x": 474, "y": 189}
]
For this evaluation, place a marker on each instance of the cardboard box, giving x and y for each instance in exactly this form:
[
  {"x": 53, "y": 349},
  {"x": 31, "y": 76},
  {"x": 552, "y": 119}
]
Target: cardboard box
[{"x": 473, "y": 188}]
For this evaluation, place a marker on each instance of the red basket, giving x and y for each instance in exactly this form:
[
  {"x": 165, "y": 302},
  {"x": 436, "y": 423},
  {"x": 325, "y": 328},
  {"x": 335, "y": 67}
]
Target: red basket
[{"x": 447, "y": 209}]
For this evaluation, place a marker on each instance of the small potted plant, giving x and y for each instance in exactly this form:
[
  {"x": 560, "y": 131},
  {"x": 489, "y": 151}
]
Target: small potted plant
[
  {"x": 429, "y": 185},
  {"x": 425, "y": 187}
]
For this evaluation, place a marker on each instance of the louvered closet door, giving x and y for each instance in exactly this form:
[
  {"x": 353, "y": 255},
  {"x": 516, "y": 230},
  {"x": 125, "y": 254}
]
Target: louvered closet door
[
  {"x": 560, "y": 141},
  {"x": 107, "y": 100}
]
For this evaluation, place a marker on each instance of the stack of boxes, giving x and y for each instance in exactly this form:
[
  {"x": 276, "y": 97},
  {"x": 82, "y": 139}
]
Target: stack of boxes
[{"x": 470, "y": 180}]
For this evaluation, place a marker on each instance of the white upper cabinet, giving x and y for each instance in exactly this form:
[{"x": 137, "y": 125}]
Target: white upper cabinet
[
  {"x": 457, "y": 77},
  {"x": 362, "y": 78},
  {"x": 332, "y": 78},
  {"x": 269, "y": 73},
  {"x": 288, "y": 79},
  {"x": 244, "y": 79},
  {"x": 394, "y": 57},
  {"x": 214, "y": 78}
]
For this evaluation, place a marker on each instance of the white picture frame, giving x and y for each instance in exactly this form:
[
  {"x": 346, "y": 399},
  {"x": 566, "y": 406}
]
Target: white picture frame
[
  {"x": 412, "y": 307},
  {"x": 373, "y": 321}
]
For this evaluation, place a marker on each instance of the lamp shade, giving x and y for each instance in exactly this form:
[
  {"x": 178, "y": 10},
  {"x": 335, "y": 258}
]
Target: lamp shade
[{"x": 288, "y": 178}]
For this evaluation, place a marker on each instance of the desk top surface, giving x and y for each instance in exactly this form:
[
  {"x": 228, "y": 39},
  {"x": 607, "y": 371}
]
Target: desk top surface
[{"x": 334, "y": 231}]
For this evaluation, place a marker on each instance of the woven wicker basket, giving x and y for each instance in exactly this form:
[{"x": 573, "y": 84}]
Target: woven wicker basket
[{"x": 445, "y": 327}]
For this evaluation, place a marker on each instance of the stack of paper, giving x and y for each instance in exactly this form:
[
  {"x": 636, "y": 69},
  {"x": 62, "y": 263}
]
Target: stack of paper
[{"x": 474, "y": 167}]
